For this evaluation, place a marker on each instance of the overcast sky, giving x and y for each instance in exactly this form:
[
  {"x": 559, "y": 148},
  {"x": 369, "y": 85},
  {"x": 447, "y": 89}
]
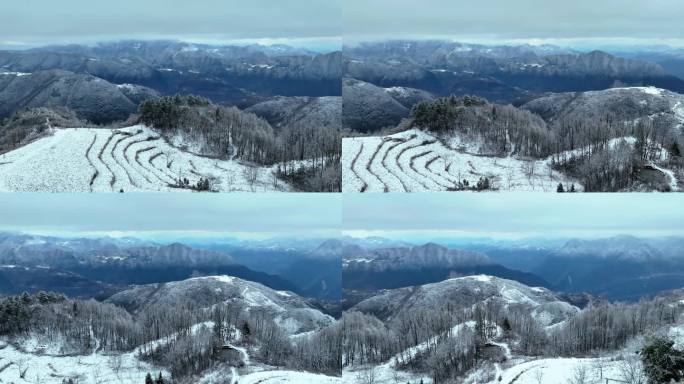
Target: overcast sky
[
  {"x": 165, "y": 215},
  {"x": 511, "y": 215},
  {"x": 315, "y": 23},
  {"x": 577, "y": 22}
]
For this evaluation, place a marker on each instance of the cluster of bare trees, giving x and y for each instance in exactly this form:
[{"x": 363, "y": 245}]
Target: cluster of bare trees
[
  {"x": 452, "y": 340},
  {"x": 322, "y": 352},
  {"x": 579, "y": 146},
  {"x": 308, "y": 156},
  {"x": 610, "y": 326}
]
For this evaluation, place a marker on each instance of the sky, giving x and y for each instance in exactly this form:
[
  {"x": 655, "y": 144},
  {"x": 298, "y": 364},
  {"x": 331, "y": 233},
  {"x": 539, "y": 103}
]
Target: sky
[
  {"x": 574, "y": 23},
  {"x": 396, "y": 215},
  {"x": 310, "y": 23},
  {"x": 510, "y": 216},
  {"x": 151, "y": 215}
]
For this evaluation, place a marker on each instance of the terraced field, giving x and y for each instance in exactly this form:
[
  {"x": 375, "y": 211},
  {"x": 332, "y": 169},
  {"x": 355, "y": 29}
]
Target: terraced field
[
  {"x": 129, "y": 159},
  {"x": 415, "y": 161}
]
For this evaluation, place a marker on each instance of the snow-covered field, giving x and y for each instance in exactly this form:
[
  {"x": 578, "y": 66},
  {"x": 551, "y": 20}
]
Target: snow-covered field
[
  {"x": 560, "y": 370},
  {"x": 96, "y": 368},
  {"x": 414, "y": 161},
  {"x": 294, "y": 377},
  {"x": 129, "y": 159}
]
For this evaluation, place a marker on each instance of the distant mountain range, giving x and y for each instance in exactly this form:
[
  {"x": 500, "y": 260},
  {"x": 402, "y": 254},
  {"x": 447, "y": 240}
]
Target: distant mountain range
[
  {"x": 617, "y": 268},
  {"x": 367, "y": 271},
  {"x": 501, "y": 74},
  {"x": 95, "y": 267},
  {"x": 237, "y": 75}
]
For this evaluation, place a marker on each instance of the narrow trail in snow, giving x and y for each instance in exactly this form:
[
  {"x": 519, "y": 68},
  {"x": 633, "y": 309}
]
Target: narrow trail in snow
[
  {"x": 233, "y": 148},
  {"x": 369, "y": 165},
  {"x": 90, "y": 161},
  {"x": 245, "y": 361},
  {"x": 112, "y": 180},
  {"x": 95, "y": 339},
  {"x": 507, "y": 353},
  {"x": 669, "y": 174},
  {"x": 402, "y": 153},
  {"x": 119, "y": 162},
  {"x": 364, "y": 186},
  {"x": 384, "y": 164},
  {"x": 508, "y": 140}
]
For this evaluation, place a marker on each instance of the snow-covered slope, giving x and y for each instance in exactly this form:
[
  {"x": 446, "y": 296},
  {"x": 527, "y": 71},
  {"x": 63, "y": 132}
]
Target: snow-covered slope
[
  {"x": 129, "y": 159},
  {"x": 415, "y": 160},
  {"x": 291, "y": 312},
  {"x": 52, "y": 369},
  {"x": 465, "y": 292},
  {"x": 272, "y": 377},
  {"x": 561, "y": 370}
]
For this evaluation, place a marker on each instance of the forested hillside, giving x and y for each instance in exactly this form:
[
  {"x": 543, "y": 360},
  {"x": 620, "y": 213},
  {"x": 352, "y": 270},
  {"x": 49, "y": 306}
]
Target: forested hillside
[
  {"x": 612, "y": 140},
  {"x": 307, "y": 154}
]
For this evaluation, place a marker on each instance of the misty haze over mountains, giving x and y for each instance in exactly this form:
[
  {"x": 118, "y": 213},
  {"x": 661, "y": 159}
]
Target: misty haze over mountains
[
  {"x": 564, "y": 265},
  {"x": 109, "y": 264}
]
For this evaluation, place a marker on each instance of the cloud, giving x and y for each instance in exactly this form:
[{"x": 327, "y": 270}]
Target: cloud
[
  {"x": 189, "y": 214},
  {"x": 503, "y": 20},
  {"x": 512, "y": 214},
  {"x": 76, "y": 21}
]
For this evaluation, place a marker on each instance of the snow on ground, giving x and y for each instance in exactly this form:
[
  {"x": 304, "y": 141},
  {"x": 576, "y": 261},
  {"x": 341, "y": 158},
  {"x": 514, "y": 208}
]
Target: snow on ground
[
  {"x": 129, "y": 159},
  {"x": 96, "y": 368},
  {"x": 18, "y": 74},
  {"x": 559, "y": 370},
  {"x": 294, "y": 377},
  {"x": 678, "y": 110},
  {"x": 415, "y": 160},
  {"x": 677, "y": 335},
  {"x": 648, "y": 90}
]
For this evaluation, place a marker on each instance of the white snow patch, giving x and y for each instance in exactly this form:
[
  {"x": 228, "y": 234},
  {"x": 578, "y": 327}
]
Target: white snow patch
[
  {"x": 87, "y": 369},
  {"x": 18, "y": 74},
  {"x": 415, "y": 161},
  {"x": 129, "y": 159}
]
